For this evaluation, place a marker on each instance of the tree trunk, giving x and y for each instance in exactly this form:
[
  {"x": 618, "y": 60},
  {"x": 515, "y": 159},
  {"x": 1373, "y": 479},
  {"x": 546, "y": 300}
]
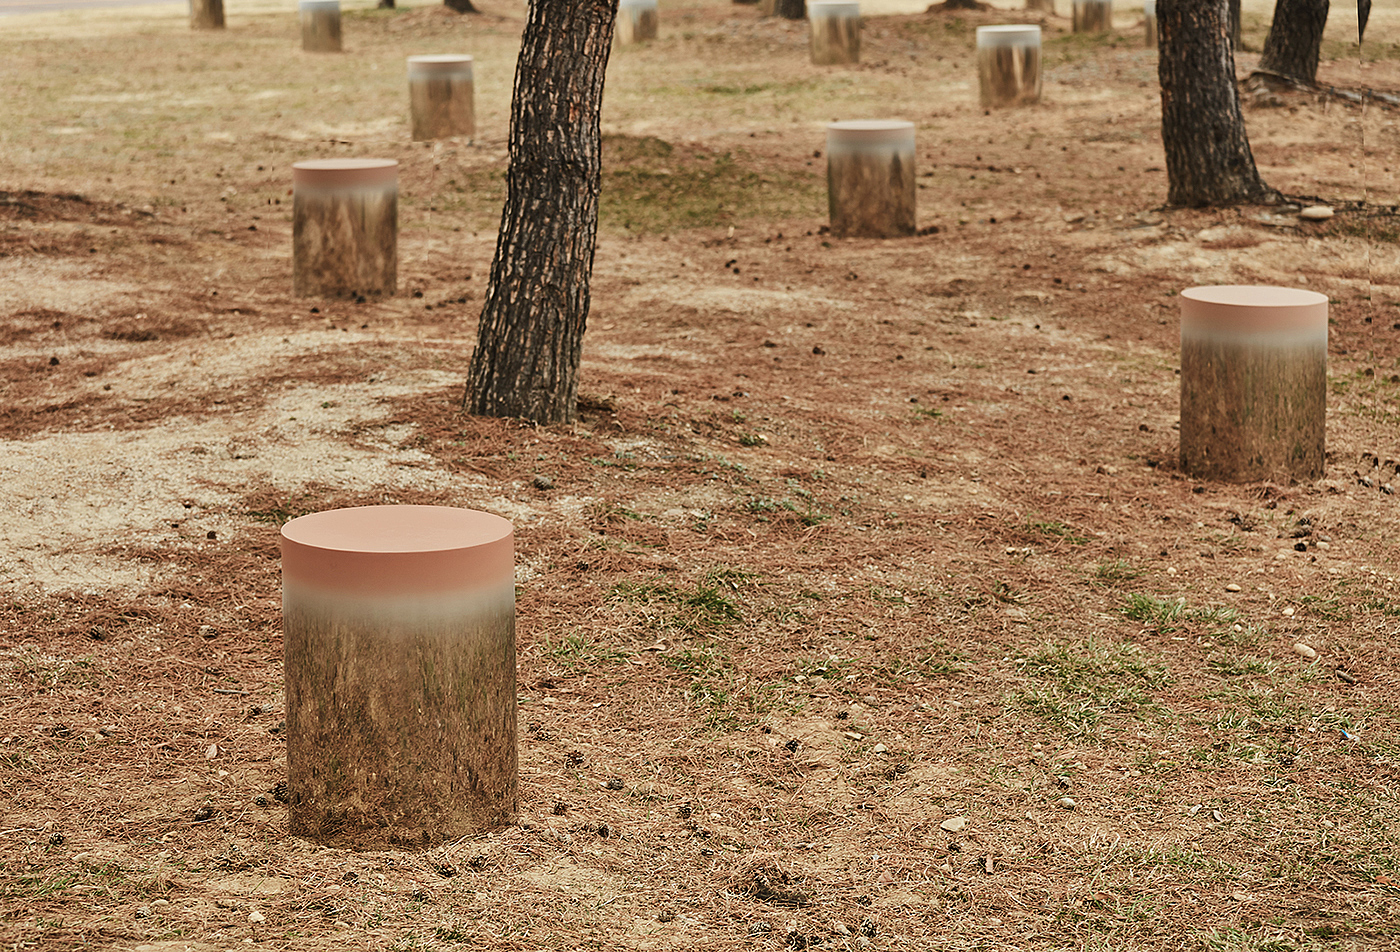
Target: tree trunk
[
  {"x": 386, "y": 5},
  {"x": 1208, "y": 157},
  {"x": 1236, "y": 23},
  {"x": 791, "y": 9},
  {"x": 531, "y": 334},
  {"x": 1295, "y": 39},
  {"x": 460, "y": 6}
]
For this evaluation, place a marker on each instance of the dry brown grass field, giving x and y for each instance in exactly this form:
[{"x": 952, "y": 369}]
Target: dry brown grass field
[{"x": 865, "y": 608}]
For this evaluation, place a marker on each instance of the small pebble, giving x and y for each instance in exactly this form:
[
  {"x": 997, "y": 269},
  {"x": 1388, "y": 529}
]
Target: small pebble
[
  {"x": 1067, "y": 802},
  {"x": 1307, "y": 651},
  {"x": 1324, "y": 546},
  {"x": 1316, "y": 213},
  {"x": 1288, "y": 612},
  {"x": 879, "y": 749},
  {"x": 256, "y": 918},
  {"x": 954, "y": 824},
  {"x": 1232, "y": 587}
]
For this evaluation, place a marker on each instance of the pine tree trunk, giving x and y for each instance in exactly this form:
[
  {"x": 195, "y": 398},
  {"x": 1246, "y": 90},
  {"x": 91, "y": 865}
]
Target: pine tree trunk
[
  {"x": 1295, "y": 39},
  {"x": 1208, "y": 157},
  {"x": 791, "y": 9},
  {"x": 531, "y": 335},
  {"x": 460, "y": 6}
]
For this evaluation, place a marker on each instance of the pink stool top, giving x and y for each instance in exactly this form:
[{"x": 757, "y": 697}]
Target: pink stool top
[
  {"x": 398, "y": 550},
  {"x": 345, "y": 172},
  {"x": 1247, "y": 309}
]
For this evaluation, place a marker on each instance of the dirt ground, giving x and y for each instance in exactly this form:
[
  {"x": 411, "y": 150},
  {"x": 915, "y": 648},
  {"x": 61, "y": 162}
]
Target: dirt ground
[{"x": 866, "y": 607}]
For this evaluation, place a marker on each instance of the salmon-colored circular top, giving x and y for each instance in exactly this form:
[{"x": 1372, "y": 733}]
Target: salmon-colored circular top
[
  {"x": 398, "y": 550},
  {"x": 303, "y": 4},
  {"x": 1242, "y": 308},
  {"x": 440, "y": 63},
  {"x": 833, "y": 8},
  {"x": 345, "y": 172},
  {"x": 1008, "y": 35},
  {"x": 867, "y": 132}
]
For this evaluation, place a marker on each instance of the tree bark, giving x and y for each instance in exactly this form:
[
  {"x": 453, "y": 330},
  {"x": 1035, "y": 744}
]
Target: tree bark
[
  {"x": 1207, "y": 150},
  {"x": 1295, "y": 39},
  {"x": 531, "y": 334},
  {"x": 790, "y": 9},
  {"x": 460, "y": 6}
]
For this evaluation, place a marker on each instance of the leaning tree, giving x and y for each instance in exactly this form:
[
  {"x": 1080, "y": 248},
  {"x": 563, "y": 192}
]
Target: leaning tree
[
  {"x": 530, "y": 337},
  {"x": 1294, "y": 43},
  {"x": 1208, "y": 157}
]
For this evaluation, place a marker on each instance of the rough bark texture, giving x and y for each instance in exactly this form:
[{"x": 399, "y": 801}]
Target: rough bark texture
[
  {"x": 870, "y": 194},
  {"x": 1236, "y": 23},
  {"x": 1252, "y": 412},
  {"x": 1208, "y": 157},
  {"x": 790, "y": 9},
  {"x": 1092, "y": 16},
  {"x": 835, "y": 40},
  {"x": 399, "y": 733},
  {"x": 1009, "y": 75},
  {"x": 344, "y": 242},
  {"x": 1295, "y": 39},
  {"x": 530, "y": 337},
  {"x": 320, "y": 30},
  {"x": 206, "y": 14},
  {"x": 460, "y": 6}
]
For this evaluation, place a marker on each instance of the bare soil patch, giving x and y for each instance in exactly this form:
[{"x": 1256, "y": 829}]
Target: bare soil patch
[{"x": 866, "y": 607}]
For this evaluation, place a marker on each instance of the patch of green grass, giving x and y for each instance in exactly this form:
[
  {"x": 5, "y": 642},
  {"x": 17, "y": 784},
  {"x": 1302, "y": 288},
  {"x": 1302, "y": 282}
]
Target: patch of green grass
[
  {"x": 1170, "y": 614},
  {"x": 577, "y": 650},
  {"x": 1118, "y": 570},
  {"x": 1057, "y": 530},
  {"x": 935, "y": 660},
  {"x": 766, "y": 508},
  {"x": 1330, "y": 609},
  {"x": 1236, "y": 667},
  {"x": 1080, "y": 684},
  {"x": 702, "y": 608},
  {"x": 651, "y": 187},
  {"x": 709, "y": 671}
]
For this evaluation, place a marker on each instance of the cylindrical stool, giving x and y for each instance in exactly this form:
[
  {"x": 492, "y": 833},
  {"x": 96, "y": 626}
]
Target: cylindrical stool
[
  {"x": 1008, "y": 64},
  {"x": 870, "y": 178},
  {"x": 399, "y": 643},
  {"x": 1253, "y": 383},
  {"x": 206, "y": 14},
  {"x": 345, "y": 222},
  {"x": 320, "y": 25},
  {"x": 1149, "y": 15},
  {"x": 441, "y": 97},
  {"x": 835, "y": 26},
  {"x": 1093, "y": 16},
  {"x": 636, "y": 21}
]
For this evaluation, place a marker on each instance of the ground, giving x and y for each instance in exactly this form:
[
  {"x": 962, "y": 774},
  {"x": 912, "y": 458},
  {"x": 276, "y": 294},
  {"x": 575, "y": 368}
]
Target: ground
[{"x": 866, "y": 607}]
